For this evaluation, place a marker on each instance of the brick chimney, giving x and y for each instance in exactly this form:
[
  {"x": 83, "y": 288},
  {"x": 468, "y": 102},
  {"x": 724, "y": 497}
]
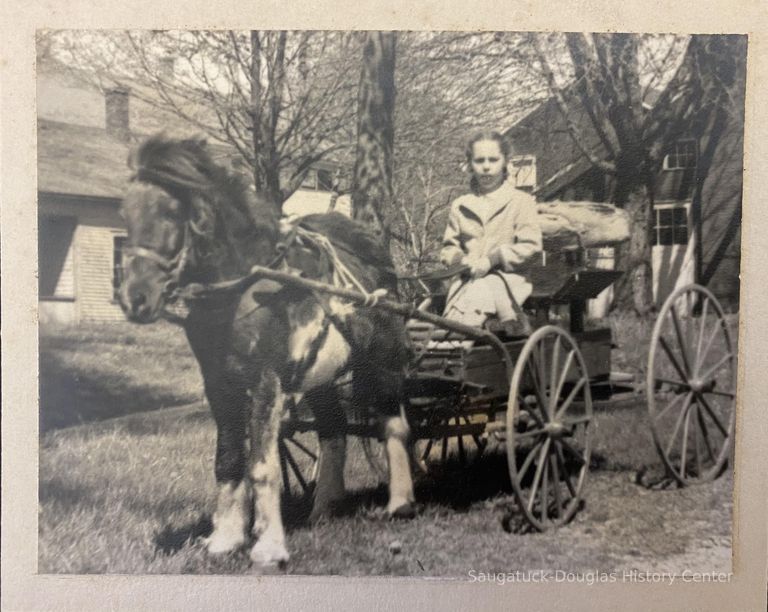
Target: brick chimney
[
  {"x": 117, "y": 106},
  {"x": 167, "y": 67}
]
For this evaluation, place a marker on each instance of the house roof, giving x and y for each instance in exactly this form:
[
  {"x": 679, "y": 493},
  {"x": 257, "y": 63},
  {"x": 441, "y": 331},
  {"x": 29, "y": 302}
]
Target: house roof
[{"x": 80, "y": 160}]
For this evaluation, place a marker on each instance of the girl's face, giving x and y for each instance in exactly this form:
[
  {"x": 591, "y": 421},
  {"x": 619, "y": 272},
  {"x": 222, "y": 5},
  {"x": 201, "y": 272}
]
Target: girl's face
[{"x": 488, "y": 164}]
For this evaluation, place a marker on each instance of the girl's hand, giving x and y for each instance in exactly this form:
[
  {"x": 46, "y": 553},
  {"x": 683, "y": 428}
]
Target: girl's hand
[{"x": 478, "y": 266}]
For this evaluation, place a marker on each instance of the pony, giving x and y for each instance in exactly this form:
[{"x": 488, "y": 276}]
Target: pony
[{"x": 193, "y": 222}]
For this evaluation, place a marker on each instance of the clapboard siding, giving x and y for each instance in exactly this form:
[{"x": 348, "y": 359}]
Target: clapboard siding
[
  {"x": 94, "y": 251},
  {"x": 98, "y": 223}
]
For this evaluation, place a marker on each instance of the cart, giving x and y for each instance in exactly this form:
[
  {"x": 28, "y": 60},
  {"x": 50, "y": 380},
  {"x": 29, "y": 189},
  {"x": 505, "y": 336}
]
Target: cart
[{"x": 536, "y": 394}]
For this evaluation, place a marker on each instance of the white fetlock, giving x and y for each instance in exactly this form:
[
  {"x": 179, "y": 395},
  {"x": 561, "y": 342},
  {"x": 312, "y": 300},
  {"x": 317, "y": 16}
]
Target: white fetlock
[
  {"x": 266, "y": 553},
  {"x": 222, "y": 542},
  {"x": 230, "y": 521}
]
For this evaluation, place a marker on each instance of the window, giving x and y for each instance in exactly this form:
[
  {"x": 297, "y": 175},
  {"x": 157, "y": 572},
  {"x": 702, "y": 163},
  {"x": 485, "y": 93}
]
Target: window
[
  {"x": 681, "y": 156},
  {"x": 325, "y": 180},
  {"x": 670, "y": 225},
  {"x": 118, "y": 246},
  {"x": 318, "y": 180},
  {"x": 523, "y": 170},
  {"x": 310, "y": 180},
  {"x": 56, "y": 276}
]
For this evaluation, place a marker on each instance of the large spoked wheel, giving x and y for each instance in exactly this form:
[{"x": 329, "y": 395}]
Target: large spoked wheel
[
  {"x": 549, "y": 438},
  {"x": 299, "y": 463},
  {"x": 691, "y": 385}
]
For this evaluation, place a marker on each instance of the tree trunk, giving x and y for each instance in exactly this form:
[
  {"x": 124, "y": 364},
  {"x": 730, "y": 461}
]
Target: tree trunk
[
  {"x": 634, "y": 290},
  {"x": 372, "y": 186},
  {"x": 266, "y": 177}
]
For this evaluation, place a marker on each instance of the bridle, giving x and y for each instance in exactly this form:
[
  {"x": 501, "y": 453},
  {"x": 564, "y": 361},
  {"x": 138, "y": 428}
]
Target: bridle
[{"x": 173, "y": 266}]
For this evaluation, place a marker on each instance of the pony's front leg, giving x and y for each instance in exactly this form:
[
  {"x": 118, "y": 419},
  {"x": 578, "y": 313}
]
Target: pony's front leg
[
  {"x": 230, "y": 520},
  {"x": 396, "y": 433},
  {"x": 267, "y": 408}
]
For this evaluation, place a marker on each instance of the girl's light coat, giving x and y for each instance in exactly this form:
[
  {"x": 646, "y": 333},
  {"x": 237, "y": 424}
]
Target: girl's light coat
[{"x": 502, "y": 225}]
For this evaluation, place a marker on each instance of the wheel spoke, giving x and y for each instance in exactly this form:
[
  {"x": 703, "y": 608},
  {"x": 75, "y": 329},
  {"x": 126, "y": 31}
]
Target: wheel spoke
[
  {"x": 680, "y": 340},
  {"x": 566, "y": 404},
  {"x": 672, "y": 358},
  {"x": 460, "y": 442},
  {"x": 283, "y": 451},
  {"x": 667, "y": 381},
  {"x": 712, "y": 415},
  {"x": 528, "y": 460},
  {"x": 668, "y": 407},
  {"x": 544, "y": 495},
  {"x": 566, "y": 475},
  {"x": 556, "y": 483},
  {"x": 728, "y": 394},
  {"x": 479, "y": 443},
  {"x": 715, "y": 367},
  {"x": 563, "y": 375},
  {"x": 542, "y": 402},
  {"x": 684, "y": 451},
  {"x": 427, "y": 449},
  {"x": 678, "y": 423},
  {"x": 700, "y": 343},
  {"x": 537, "y": 475},
  {"x": 531, "y": 433},
  {"x": 296, "y": 471},
  {"x": 710, "y": 340},
  {"x": 705, "y": 433},
  {"x": 302, "y": 448},
  {"x": 554, "y": 393},
  {"x": 542, "y": 378},
  {"x": 697, "y": 444},
  {"x": 577, "y": 420},
  {"x": 576, "y": 455}
]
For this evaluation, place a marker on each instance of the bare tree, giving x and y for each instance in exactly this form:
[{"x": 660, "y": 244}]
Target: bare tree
[
  {"x": 625, "y": 99},
  {"x": 283, "y": 100}
]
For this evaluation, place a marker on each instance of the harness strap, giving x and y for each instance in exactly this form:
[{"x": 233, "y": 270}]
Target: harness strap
[{"x": 145, "y": 253}]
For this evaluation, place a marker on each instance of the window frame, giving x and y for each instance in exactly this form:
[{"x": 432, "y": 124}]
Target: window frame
[
  {"x": 657, "y": 226},
  {"x": 678, "y": 154},
  {"x": 531, "y": 159}
]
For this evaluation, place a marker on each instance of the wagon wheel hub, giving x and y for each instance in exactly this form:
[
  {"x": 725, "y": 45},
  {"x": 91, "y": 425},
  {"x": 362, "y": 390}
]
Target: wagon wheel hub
[
  {"x": 699, "y": 385},
  {"x": 556, "y": 429}
]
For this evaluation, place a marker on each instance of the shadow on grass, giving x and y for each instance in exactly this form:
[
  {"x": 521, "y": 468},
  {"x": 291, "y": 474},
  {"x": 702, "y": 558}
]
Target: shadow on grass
[
  {"x": 459, "y": 485},
  {"x": 170, "y": 540},
  {"x": 69, "y": 397}
]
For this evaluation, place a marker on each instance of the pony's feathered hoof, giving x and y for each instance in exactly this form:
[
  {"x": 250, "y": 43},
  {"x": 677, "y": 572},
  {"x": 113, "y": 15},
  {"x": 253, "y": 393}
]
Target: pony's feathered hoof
[
  {"x": 403, "y": 512},
  {"x": 223, "y": 543},
  {"x": 269, "y": 555}
]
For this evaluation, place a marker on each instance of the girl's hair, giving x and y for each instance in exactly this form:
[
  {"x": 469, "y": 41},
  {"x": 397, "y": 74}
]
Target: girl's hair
[
  {"x": 495, "y": 137},
  {"x": 488, "y": 135}
]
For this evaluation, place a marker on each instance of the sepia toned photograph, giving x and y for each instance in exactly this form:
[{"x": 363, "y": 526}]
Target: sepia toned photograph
[{"x": 389, "y": 303}]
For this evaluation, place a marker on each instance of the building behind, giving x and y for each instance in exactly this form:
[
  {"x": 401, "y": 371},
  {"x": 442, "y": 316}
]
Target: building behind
[
  {"x": 84, "y": 139},
  {"x": 697, "y": 213}
]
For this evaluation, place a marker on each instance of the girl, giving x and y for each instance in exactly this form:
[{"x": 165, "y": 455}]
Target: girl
[{"x": 492, "y": 230}]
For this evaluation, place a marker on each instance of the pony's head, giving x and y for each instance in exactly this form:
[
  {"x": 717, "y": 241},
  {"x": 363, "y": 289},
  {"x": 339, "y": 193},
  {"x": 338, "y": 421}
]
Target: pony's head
[{"x": 188, "y": 220}]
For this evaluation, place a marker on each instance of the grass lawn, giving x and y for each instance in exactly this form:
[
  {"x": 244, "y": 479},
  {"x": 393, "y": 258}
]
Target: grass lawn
[{"x": 126, "y": 487}]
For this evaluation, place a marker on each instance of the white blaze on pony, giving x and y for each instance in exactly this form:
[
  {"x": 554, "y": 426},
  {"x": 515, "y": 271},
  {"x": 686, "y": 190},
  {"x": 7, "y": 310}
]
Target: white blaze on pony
[{"x": 194, "y": 232}]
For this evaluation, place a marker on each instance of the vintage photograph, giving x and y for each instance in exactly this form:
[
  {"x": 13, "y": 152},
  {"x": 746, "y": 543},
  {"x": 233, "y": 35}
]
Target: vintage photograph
[{"x": 389, "y": 303}]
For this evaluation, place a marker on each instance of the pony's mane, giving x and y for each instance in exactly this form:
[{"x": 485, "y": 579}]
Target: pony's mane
[
  {"x": 184, "y": 167},
  {"x": 352, "y": 237}
]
